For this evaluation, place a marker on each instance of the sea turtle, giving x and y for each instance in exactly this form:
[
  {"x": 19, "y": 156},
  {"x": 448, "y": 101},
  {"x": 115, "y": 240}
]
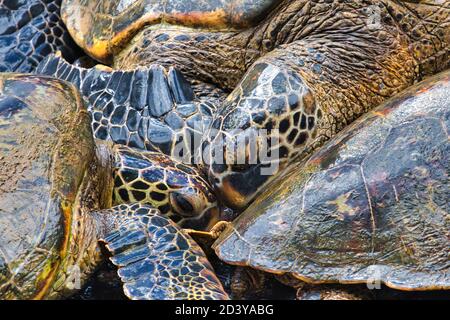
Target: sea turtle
[
  {"x": 54, "y": 183},
  {"x": 298, "y": 71},
  {"x": 103, "y": 27},
  {"x": 29, "y": 31},
  {"x": 371, "y": 205},
  {"x": 254, "y": 84},
  {"x": 147, "y": 108},
  {"x": 381, "y": 213}
]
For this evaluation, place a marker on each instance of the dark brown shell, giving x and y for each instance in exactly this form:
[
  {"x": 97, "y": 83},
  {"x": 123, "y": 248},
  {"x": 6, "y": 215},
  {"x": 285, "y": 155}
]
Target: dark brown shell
[
  {"x": 100, "y": 26},
  {"x": 372, "y": 205},
  {"x": 46, "y": 146}
]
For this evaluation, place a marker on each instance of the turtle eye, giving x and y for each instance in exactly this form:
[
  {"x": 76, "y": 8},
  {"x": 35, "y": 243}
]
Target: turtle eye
[
  {"x": 183, "y": 204},
  {"x": 187, "y": 202}
]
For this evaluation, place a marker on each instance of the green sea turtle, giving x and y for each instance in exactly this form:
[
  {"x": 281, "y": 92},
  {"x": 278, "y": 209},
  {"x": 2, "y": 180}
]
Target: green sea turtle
[
  {"x": 298, "y": 71},
  {"x": 293, "y": 66},
  {"x": 103, "y": 27},
  {"x": 370, "y": 206},
  {"x": 374, "y": 219},
  {"x": 29, "y": 31},
  {"x": 151, "y": 108},
  {"x": 54, "y": 183}
]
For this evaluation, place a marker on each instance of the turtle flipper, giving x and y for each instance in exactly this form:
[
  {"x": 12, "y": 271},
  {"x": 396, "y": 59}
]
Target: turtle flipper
[
  {"x": 156, "y": 259},
  {"x": 145, "y": 108},
  {"x": 30, "y": 30}
]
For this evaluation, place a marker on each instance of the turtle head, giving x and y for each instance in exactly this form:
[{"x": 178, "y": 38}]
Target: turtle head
[
  {"x": 241, "y": 163},
  {"x": 177, "y": 190}
]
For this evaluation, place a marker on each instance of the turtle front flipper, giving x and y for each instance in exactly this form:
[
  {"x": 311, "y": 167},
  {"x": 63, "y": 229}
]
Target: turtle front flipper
[
  {"x": 148, "y": 108},
  {"x": 29, "y": 31},
  {"x": 157, "y": 260}
]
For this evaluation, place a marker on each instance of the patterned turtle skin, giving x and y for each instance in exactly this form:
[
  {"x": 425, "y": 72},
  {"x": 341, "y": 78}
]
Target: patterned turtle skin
[
  {"x": 371, "y": 205},
  {"x": 149, "y": 108},
  {"x": 154, "y": 118},
  {"x": 101, "y": 27},
  {"x": 178, "y": 191},
  {"x": 56, "y": 182},
  {"x": 301, "y": 73},
  {"x": 168, "y": 265},
  {"x": 29, "y": 31}
]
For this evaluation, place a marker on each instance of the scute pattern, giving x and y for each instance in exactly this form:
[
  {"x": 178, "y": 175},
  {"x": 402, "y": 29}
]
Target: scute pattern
[
  {"x": 156, "y": 259},
  {"x": 153, "y": 178},
  {"x": 146, "y": 108},
  {"x": 29, "y": 31},
  {"x": 270, "y": 101},
  {"x": 45, "y": 152}
]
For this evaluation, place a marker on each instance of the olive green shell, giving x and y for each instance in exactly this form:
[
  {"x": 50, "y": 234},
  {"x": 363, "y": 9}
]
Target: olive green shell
[
  {"x": 371, "y": 206},
  {"x": 45, "y": 149},
  {"x": 101, "y": 26}
]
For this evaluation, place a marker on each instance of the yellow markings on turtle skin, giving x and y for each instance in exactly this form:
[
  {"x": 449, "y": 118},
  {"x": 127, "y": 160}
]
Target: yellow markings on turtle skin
[
  {"x": 99, "y": 50},
  {"x": 102, "y": 67},
  {"x": 45, "y": 279},
  {"x": 344, "y": 210},
  {"x": 52, "y": 267},
  {"x": 80, "y": 23},
  {"x": 231, "y": 193},
  {"x": 126, "y": 34},
  {"x": 216, "y": 19}
]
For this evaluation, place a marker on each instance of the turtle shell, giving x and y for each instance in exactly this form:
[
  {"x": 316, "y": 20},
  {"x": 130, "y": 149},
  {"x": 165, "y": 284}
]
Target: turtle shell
[
  {"x": 46, "y": 147},
  {"x": 102, "y": 26},
  {"x": 370, "y": 206}
]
